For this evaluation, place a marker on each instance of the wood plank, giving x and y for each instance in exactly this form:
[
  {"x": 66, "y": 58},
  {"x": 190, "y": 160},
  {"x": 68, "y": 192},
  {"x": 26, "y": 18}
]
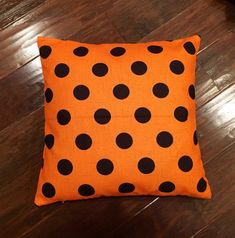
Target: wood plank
[
  {"x": 91, "y": 219},
  {"x": 181, "y": 216},
  {"x": 205, "y": 87},
  {"x": 143, "y": 17},
  {"x": 12, "y": 10},
  {"x": 55, "y": 19},
  {"x": 218, "y": 61},
  {"x": 206, "y": 18},
  {"x": 18, "y": 143},
  {"x": 222, "y": 226},
  {"x": 21, "y": 93},
  {"x": 216, "y": 124},
  {"x": 215, "y": 69}
]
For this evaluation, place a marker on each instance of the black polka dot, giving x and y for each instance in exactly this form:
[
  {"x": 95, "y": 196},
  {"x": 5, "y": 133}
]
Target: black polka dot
[
  {"x": 160, "y": 90},
  {"x": 63, "y": 117},
  {"x": 61, "y": 70},
  {"x": 121, "y": 91},
  {"x": 139, "y": 68},
  {"x": 164, "y": 139},
  {"x": 201, "y": 186},
  {"x": 80, "y": 51},
  {"x": 124, "y": 140},
  {"x": 166, "y": 187},
  {"x": 195, "y": 140},
  {"x": 142, "y": 115},
  {"x": 48, "y": 95},
  {"x": 65, "y": 167},
  {"x": 117, "y": 51},
  {"x": 126, "y": 188},
  {"x": 189, "y": 47},
  {"x": 81, "y": 92},
  {"x": 83, "y": 141},
  {"x": 185, "y": 163},
  {"x": 146, "y": 165},
  {"x": 100, "y": 69},
  {"x": 48, "y": 190},
  {"x": 102, "y": 116},
  {"x": 49, "y": 141},
  {"x": 181, "y": 114},
  {"x": 86, "y": 190},
  {"x": 176, "y": 67},
  {"x": 45, "y": 51},
  {"x": 155, "y": 49},
  {"x": 104, "y": 166},
  {"x": 191, "y": 91}
]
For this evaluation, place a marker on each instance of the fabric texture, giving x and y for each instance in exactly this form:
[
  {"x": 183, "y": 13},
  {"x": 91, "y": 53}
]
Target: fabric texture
[{"x": 120, "y": 120}]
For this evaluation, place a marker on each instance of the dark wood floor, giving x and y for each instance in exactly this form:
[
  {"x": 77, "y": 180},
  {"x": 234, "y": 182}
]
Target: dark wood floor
[{"x": 21, "y": 114}]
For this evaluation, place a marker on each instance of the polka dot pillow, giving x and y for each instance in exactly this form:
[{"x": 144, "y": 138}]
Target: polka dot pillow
[{"x": 120, "y": 120}]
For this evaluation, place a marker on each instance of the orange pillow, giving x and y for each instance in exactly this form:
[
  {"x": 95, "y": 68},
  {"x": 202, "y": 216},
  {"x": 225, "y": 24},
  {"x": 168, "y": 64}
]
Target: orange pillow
[{"x": 120, "y": 120}]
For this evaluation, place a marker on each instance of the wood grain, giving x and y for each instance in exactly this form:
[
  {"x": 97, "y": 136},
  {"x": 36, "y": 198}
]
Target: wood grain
[
  {"x": 53, "y": 19},
  {"x": 12, "y": 11},
  {"x": 220, "y": 227},
  {"x": 143, "y": 17},
  {"x": 215, "y": 123},
  {"x": 22, "y": 118},
  {"x": 210, "y": 19}
]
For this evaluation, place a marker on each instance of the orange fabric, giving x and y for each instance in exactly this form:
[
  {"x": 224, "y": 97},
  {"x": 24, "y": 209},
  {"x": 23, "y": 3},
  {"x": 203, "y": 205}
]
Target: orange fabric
[{"x": 120, "y": 120}]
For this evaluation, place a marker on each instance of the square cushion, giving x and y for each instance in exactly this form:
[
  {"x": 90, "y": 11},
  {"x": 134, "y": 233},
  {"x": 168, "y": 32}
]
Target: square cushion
[{"x": 120, "y": 120}]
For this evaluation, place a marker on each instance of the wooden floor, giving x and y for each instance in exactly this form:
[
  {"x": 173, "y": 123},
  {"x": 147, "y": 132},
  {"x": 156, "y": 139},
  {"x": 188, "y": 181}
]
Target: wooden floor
[{"x": 21, "y": 114}]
